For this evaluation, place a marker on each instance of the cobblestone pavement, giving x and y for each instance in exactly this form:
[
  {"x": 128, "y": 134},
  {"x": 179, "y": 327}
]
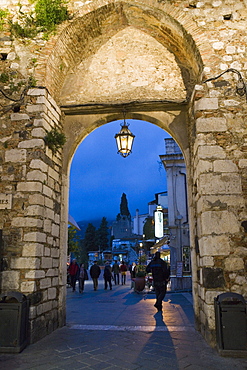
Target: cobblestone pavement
[{"x": 120, "y": 329}]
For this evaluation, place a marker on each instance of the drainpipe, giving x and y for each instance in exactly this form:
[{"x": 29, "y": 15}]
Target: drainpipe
[{"x": 186, "y": 197}]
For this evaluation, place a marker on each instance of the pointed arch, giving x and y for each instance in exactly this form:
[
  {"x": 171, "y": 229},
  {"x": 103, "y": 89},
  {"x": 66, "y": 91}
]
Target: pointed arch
[{"x": 86, "y": 33}]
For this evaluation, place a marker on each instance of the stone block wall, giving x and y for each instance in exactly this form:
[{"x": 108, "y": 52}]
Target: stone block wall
[
  {"x": 30, "y": 224},
  {"x": 219, "y": 154}
]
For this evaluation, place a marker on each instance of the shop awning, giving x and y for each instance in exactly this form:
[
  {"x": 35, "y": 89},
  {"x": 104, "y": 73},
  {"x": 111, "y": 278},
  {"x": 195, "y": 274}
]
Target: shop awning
[{"x": 73, "y": 223}]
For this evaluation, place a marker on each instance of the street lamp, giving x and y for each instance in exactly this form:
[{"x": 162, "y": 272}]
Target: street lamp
[
  {"x": 124, "y": 140},
  {"x": 241, "y": 87}
]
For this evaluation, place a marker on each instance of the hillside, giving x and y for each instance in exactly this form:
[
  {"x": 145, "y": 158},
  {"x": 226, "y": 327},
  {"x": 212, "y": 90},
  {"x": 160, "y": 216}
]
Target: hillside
[{"x": 84, "y": 224}]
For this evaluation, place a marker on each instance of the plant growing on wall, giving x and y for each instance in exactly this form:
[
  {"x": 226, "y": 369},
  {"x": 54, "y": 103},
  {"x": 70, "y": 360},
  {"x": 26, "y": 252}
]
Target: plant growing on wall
[
  {"x": 13, "y": 88},
  {"x": 55, "y": 140},
  {"x": 48, "y": 14},
  {"x": 3, "y": 15},
  {"x": 25, "y": 27}
]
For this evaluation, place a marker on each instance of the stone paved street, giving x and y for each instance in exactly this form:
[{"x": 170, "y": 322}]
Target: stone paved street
[{"x": 120, "y": 329}]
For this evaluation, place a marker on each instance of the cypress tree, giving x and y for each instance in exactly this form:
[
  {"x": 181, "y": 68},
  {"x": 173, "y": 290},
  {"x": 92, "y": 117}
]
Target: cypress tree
[
  {"x": 148, "y": 228},
  {"x": 102, "y": 235},
  {"x": 90, "y": 238},
  {"x": 124, "y": 210}
]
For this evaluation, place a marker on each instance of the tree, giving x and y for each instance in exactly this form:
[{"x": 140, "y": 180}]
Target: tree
[
  {"x": 73, "y": 242},
  {"x": 102, "y": 235},
  {"x": 148, "y": 228},
  {"x": 124, "y": 210},
  {"x": 83, "y": 255},
  {"x": 90, "y": 238}
]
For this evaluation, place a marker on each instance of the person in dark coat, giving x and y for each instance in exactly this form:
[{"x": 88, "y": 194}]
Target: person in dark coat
[
  {"x": 82, "y": 277},
  {"x": 107, "y": 275},
  {"x": 95, "y": 273},
  {"x": 161, "y": 275},
  {"x": 73, "y": 270},
  {"x": 115, "y": 270},
  {"x": 123, "y": 271},
  {"x": 132, "y": 270}
]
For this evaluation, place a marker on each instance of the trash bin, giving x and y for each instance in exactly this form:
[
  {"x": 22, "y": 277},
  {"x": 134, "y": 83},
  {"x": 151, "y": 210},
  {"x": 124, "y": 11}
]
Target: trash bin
[
  {"x": 230, "y": 320},
  {"x": 14, "y": 312}
]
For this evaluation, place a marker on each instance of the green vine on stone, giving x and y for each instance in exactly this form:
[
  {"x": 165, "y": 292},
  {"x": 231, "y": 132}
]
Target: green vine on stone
[
  {"x": 47, "y": 14},
  {"x": 55, "y": 140},
  {"x": 25, "y": 27},
  {"x": 3, "y": 15}
]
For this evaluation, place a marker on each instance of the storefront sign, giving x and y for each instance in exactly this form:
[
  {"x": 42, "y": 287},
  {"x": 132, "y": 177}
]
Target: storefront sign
[
  {"x": 5, "y": 201},
  {"x": 158, "y": 224}
]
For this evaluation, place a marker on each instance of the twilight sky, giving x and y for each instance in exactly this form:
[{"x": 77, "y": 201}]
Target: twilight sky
[{"x": 99, "y": 175}]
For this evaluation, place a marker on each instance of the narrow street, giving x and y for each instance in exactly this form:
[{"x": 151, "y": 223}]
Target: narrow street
[{"x": 120, "y": 329}]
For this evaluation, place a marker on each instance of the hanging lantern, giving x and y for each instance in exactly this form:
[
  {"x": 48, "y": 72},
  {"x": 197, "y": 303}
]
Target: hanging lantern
[{"x": 124, "y": 140}]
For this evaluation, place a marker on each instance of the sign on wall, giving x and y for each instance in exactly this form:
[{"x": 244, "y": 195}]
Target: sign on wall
[
  {"x": 158, "y": 223},
  {"x": 5, "y": 201}
]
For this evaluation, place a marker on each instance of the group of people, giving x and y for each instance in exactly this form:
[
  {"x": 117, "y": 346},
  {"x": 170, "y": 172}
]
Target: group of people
[
  {"x": 110, "y": 274},
  {"x": 77, "y": 272},
  {"x": 158, "y": 267},
  {"x": 119, "y": 270}
]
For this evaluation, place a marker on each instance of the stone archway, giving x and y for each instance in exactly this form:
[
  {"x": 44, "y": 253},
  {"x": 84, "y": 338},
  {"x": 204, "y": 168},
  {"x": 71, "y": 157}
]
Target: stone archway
[
  {"x": 95, "y": 25},
  {"x": 206, "y": 121}
]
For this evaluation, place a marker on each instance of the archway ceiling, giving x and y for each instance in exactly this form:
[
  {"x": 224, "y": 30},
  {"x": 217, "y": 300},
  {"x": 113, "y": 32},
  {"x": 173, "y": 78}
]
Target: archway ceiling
[
  {"x": 87, "y": 35},
  {"x": 130, "y": 66}
]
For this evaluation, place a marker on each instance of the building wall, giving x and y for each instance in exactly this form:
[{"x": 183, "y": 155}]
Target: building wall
[
  {"x": 178, "y": 222},
  {"x": 31, "y": 224},
  {"x": 121, "y": 228},
  {"x": 138, "y": 223},
  {"x": 139, "y": 220}
]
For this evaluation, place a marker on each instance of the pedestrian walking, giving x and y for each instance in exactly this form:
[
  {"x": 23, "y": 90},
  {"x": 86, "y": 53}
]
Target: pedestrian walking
[
  {"x": 132, "y": 270},
  {"x": 74, "y": 270},
  {"x": 115, "y": 270},
  {"x": 123, "y": 271},
  {"x": 161, "y": 275},
  {"x": 82, "y": 277},
  {"x": 95, "y": 273},
  {"x": 108, "y": 275}
]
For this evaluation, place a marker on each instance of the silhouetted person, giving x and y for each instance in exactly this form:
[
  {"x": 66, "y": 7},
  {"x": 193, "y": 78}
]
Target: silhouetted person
[
  {"x": 82, "y": 277},
  {"x": 161, "y": 275},
  {"x": 74, "y": 270},
  {"x": 115, "y": 270},
  {"x": 132, "y": 270},
  {"x": 95, "y": 273},
  {"x": 123, "y": 271},
  {"x": 107, "y": 275}
]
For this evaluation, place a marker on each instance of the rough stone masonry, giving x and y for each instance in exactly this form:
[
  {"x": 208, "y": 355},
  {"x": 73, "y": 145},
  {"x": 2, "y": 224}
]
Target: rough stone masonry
[{"x": 152, "y": 58}]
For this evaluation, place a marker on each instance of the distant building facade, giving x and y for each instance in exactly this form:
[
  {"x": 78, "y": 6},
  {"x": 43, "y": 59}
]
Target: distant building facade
[
  {"x": 124, "y": 250},
  {"x": 178, "y": 224},
  {"x": 122, "y": 227},
  {"x": 139, "y": 220}
]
